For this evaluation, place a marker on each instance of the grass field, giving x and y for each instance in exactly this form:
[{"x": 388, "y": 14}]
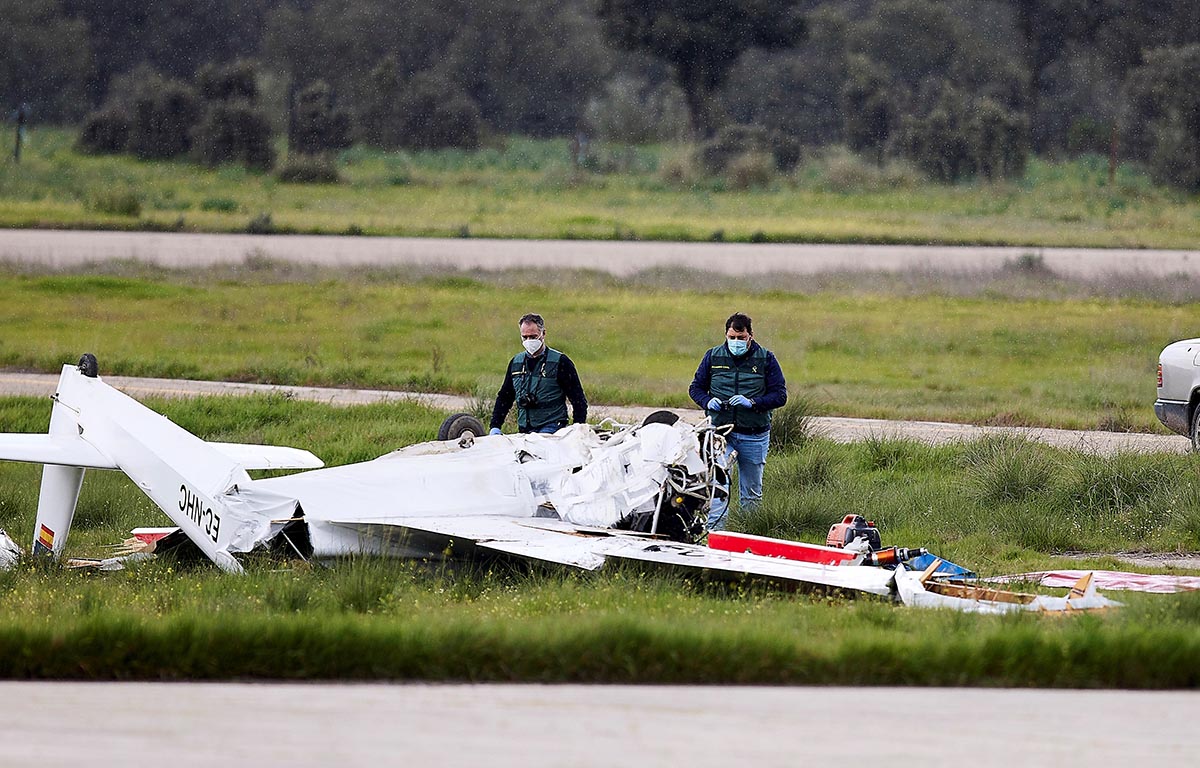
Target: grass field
[
  {"x": 528, "y": 189},
  {"x": 991, "y": 359},
  {"x": 999, "y": 506}
]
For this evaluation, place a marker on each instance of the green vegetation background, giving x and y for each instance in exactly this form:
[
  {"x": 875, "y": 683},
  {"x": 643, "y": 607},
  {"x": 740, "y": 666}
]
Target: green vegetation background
[
  {"x": 528, "y": 188},
  {"x": 991, "y": 358}
]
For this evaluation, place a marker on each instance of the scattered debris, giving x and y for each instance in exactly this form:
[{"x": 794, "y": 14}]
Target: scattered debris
[
  {"x": 10, "y": 552},
  {"x": 1136, "y": 582}
]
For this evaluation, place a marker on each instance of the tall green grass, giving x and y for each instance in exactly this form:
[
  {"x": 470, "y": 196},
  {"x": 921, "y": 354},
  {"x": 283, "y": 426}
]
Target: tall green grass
[
  {"x": 528, "y": 188},
  {"x": 1076, "y": 363},
  {"x": 998, "y": 504}
]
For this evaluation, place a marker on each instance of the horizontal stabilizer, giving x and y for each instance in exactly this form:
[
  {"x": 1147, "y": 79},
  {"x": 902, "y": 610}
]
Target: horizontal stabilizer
[
  {"x": 53, "y": 449},
  {"x": 268, "y": 456}
]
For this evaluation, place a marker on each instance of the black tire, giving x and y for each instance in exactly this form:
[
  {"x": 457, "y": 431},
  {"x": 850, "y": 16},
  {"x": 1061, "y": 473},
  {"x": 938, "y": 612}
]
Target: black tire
[
  {"x": 88, "y": 365},
  {"x": 661, "y": 417},
  {"x": 459, "y": 424},
  {"x": 1195, "y": 433}
]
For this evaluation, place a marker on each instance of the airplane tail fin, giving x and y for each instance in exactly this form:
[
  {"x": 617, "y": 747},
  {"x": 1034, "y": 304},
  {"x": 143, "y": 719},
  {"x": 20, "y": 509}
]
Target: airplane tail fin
[
  {"x": 93, "y": 425},
  {"x": 60, "y": 482}
]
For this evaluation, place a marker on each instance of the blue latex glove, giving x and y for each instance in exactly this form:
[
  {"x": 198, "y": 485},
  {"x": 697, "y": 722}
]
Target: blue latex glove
[
  {"x": 714, "y": 405},
  {"x": 494, "y": 431},
  {"x": 741, "y": 401}
]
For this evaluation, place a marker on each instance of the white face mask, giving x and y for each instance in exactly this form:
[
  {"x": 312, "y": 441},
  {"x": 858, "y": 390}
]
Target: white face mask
[{"x": 531, "y": 345}]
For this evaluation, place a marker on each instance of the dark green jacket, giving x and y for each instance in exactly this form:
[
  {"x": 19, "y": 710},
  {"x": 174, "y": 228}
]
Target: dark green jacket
[{"x": 755, "y": 375}]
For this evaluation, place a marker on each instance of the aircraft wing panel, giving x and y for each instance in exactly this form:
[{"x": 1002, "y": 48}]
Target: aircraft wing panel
[
  {"x": 588, "y": 548},
  {"x": 269, "y": 456},
  {"x": 856, "y": 578},
  {"x": 66, "y": 451},
  {"x": 436, "y": 535}
]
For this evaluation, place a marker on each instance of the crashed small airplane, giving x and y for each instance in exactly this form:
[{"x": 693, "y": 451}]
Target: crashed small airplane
[{"x": 576, "y": 498}]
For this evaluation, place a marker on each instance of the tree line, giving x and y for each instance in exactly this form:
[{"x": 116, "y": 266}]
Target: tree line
[{"x": 961, "y": 87}]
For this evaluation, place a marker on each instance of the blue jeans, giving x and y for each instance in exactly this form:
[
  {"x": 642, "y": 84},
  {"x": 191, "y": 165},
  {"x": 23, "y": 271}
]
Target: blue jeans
[{"x": 751, "y": 458}]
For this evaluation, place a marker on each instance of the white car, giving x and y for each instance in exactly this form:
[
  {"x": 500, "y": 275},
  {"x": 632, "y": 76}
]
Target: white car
[{"x": 1179, "y": 389}]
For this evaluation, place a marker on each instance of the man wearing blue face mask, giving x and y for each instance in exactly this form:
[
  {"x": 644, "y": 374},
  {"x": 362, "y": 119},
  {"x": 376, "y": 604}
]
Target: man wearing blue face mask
[
  {"x": 739, "y": 382},
  {"x": 539, "y": 380}
]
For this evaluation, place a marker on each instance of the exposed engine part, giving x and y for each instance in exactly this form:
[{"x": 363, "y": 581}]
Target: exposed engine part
[{"x": 853, "y": 527}]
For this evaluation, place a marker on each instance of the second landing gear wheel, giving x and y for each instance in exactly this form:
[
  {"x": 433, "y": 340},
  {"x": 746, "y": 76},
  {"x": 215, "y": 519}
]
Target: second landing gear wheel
[
  {"x": 660, "y": 417},
  {"x": 461, "y": 425}
]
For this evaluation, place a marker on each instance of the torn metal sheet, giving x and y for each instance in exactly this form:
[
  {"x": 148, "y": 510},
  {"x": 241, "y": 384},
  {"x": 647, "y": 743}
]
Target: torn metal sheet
[
  {"x": 918, "y": 589},
  {"x": 1135, "y": 582},
  {"x": 10, "y": 551}
]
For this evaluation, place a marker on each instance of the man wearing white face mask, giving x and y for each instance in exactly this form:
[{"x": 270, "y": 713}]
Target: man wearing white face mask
[
  {"x": 539, "y": 380},
  {"x": 739, "y": 382}
]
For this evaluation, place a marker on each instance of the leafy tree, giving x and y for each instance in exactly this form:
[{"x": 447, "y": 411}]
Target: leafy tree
[
  {"x": 162, "y": 119},
  {"x": 43, "y": 59},
  {"x": 435, "y": 114},
  {"x": 105, "y": 132},
  {"x": 867, "y": 107},
  {"x": 235, "y": 81},
  {"x": 426, "y": 112},
  {"x": 317, "y": 126},
  {"x": 634, "y": 110},
  {"x": 701, "y": 40},
  {"x": 531, "y": 66},
  {"x": 175, "y": 37},
  {"x": 795, "y": 91},
  {"x": 965, "y": 136},
  {"x": 1163, "y": 117},
  {"x": 234, "y": 131},
  {"x": 232, "y": 127}
]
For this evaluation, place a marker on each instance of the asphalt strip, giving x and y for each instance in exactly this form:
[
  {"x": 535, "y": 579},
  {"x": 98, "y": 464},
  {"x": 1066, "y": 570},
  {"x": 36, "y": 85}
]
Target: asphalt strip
[
  {"x": 839, "y": 429},
  {"x": 203, "y": 724},
  {"x": 61, "y": 249}
]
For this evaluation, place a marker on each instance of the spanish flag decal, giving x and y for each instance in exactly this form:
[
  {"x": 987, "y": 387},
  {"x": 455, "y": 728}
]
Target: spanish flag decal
[{"x": 45, "y": 540}]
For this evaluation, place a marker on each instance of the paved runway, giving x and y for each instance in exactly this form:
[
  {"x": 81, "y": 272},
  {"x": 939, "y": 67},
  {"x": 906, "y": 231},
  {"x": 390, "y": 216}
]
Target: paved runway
[
  {"x": 70, "y": 248},
  {"x": 525, "y": 726}
]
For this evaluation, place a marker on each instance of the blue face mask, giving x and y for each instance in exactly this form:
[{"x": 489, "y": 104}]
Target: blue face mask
[{"x": 737, "y": 346}]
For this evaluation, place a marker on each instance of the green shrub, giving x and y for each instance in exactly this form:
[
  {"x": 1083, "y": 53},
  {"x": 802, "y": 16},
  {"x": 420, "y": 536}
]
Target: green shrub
[
  {"x": 1005, "y": 469},
  {"x": 162, "y": 121},
  {"x": 753, "y": 170},
  {"x": 235, "y": 81},
  {"x": 877, "y": 452},
  {"x": 963, "y": 136},
  {"x": 317, "y": 126},
  {"x": 733, "y": 142},
  {"x": 1162, "y": 121},
  {"x": 427, "y": 112},
  {"x": 308, "y": 169},
  {"x": 219, "y": 204},
  {"x": 104, "y": 132},
  {"x": 631, "y": 110},
  {"x": 792, "y": 425},
  {"x": 117, "y": 202},
  {"x": 1121, "y": 481},
  {"x": 262, "y": 224},
  {"x": 234, "y": 132},
  {"x": 868, "y": 115}
]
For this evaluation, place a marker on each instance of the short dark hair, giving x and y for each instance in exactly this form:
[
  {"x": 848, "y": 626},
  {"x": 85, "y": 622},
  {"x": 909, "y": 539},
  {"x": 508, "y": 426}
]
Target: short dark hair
[
  {"x": 532, "y": 317},
  {"x": 739, "y": 322}
]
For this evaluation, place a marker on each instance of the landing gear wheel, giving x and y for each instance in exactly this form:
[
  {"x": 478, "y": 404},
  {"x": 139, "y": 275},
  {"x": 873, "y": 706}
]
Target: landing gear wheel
[
  {"x": 459, "y": 425},
  {"x": 661, "y": 417},
  {"x": 88, "y": 365}
]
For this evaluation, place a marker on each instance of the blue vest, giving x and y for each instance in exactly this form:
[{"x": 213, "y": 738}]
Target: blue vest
[
  {"x": 745, "y": 375},
  {"x": 540, "y": 400}
]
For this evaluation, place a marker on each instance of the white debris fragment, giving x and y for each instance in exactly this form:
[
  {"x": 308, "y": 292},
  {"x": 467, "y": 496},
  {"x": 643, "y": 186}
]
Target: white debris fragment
[{"x": 10, "y": 551}]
